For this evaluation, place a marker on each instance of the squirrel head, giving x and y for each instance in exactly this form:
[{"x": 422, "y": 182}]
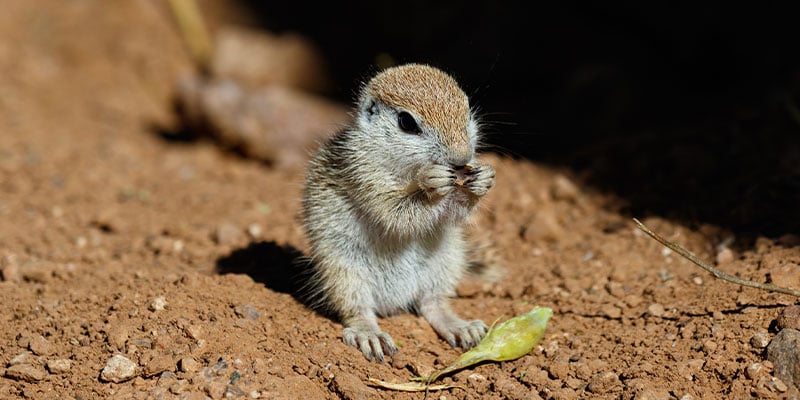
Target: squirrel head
[{"x": 421, "y": 111}]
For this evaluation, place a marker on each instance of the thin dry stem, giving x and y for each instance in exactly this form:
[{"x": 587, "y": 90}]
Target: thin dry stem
[
  {"x": 194, "y": 31},
  {"x": 410, "y": 386},
  {"x": 714, "y": 271}
]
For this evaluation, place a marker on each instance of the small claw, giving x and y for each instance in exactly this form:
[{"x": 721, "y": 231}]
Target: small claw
[{"x": 372, "y": 344}]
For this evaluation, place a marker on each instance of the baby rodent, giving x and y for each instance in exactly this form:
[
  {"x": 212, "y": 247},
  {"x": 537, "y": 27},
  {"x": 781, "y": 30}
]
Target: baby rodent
[{"x": 384, "y": 204}]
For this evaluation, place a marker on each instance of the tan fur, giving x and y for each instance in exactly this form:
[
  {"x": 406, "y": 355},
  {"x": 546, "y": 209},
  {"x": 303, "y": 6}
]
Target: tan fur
[{"x": 431, "y": 94}]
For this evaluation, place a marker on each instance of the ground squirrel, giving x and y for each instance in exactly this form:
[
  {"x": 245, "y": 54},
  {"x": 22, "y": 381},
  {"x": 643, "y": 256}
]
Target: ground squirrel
[{"x": 384, "y": 204}]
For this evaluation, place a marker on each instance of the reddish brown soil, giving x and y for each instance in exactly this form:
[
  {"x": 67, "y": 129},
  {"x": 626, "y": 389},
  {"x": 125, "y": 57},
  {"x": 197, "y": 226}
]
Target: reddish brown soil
[{"x": 100, "y": 216}]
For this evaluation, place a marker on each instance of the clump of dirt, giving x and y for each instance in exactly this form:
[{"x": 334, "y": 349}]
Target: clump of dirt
[{"x": 139, "y": 267}]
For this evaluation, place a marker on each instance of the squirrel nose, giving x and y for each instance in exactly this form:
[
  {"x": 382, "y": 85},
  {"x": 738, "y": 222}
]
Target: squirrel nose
[{"x": 459, "y": 161}]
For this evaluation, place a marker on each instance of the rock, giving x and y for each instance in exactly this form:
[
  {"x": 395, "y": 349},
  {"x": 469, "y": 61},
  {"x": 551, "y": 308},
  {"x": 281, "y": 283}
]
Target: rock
[
  {"x": 9, "y": 269},
  {"x": 695, "y": 365},
  {"x": 193, "y": 331},
  {"x": 610, "y": 311},
  {"x": 21, "y": 358},
  {"x": 227, "y": 234},
  {"x": 778, "y": 385},
  {"x": 59, "y": 366},
  {"x": 117, "y": 335},
  {"x": 118, "y": 369},
  {"x": 789, "y": 318},
  {"x": 276, "y": 124},
  {"x": 189, "y": 364},
  {"x": 233, "y": 391},
  {"x": 709, "y": 346},
  {"x": 257, "y": 58},
  {"x": 141, "y": 343},
  {"x": 40, "y": 346},
  {"x": 725, "y": 256},
  {"x": 563, "y": 188},
  {"x": 348, "y": 387},
  {"x": 216, "y": 389},
  {"x": 754, "y": 371},
  {"x": 544, "y": 225},
  {"x": 760, "y": 339},
  {"x": 656, "y": 310},
  {"x": 603, "y": 382},
  {"x": 247, "y": 311},
  {"x": 158, "y": 304},
  {"x": 781, "y": 271},
  {"x": 25, "y": 372},
  {"x": 255, "y": 231},
  {"x": 158, "y": 364},
  {"x": 478, "y": 382},
  {"x": 784, "y": 353}
]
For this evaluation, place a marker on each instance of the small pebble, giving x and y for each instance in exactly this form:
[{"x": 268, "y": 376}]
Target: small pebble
[
  {"x": 247, "y": 311},
  {"x": 603, "y": 382},
  {"x": 478, "y": 382},
  {"x": 725, "y": 256},
  {"x": 760, "y": 340},
  {"x": 158, "y": 364},
  {"x": 9, "y": 269},
  {"x": 754, "y": 371},
  {"x": 118, "y": 369},
  {"x": 563, "y": 188},
  {"x": 789, "y": 317},
  {"x": 656, "y": 310},
  {"x": 778, "y": 385},
  {"x": 226, "y": 234},
  {"x": 609, "y": 311},
  {"x": 254, "y": 230},
  {"x": 117, "y": 335},
  {"x": 158, "y": 304},
  {"x": 233, "y": 391},
  {"x": 696, "y": 365},
  {"x": 550, "y": 349},
  {"x": 216, "y": 389},
  {"x": 40, "y": 346},
  {"x": 25, "y": 373},
  {"x": 59, "y": 366},
  {"x": 21, "y": 358},
  {"x": 709, "y": 346},
  {"x": 189, "y": 364},
  {"x": 697, "y": 280},
  {"x": 194, "y": 331}
]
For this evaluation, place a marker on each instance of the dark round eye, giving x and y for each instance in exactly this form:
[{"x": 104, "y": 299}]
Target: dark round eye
[{"x": 407, "y": 122}]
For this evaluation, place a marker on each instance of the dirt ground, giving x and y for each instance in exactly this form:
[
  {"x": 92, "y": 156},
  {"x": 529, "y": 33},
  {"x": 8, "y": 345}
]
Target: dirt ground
[{"x": 178, "y": 255}]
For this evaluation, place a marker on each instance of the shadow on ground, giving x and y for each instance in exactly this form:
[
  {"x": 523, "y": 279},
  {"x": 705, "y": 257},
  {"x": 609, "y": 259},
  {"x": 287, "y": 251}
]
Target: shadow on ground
[{"x": 282, "y": 269}]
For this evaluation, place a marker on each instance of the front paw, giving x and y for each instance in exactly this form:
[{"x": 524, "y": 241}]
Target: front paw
[
  {"x": 464, "y": 334},
  {"x": 479, "y": 180},
  {"x": 436, "y": 180},
  {"x": 372, "y": 343}
]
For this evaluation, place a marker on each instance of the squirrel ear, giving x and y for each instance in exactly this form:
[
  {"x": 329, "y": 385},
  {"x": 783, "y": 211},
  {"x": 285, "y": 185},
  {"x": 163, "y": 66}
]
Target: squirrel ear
[{"x": 370, "y": 109}]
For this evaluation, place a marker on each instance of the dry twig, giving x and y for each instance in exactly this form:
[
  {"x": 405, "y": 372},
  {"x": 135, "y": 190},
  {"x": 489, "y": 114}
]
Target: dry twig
[
  {"x": 410, "y": 386},
  {"x": 194, "y": 31},
  {"x": 714, "y": 271}
]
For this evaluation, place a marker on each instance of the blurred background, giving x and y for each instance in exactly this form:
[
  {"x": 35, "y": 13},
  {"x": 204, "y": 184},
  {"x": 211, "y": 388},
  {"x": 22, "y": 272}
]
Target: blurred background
[{"x": 684, "y": 110}]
